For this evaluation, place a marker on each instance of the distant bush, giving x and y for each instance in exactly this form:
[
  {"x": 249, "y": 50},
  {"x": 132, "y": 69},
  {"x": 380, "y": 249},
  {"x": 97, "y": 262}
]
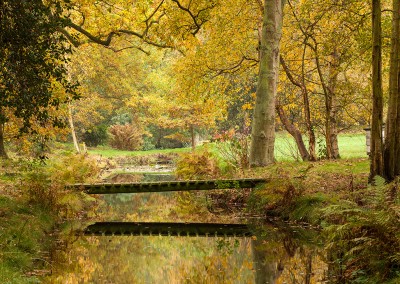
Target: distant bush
[
  {"x": 126, "y": 137},
  {"x": 165, "y": 138},
  {"x": 95, "y": 136},
  {"x": 148, "y": 144}
]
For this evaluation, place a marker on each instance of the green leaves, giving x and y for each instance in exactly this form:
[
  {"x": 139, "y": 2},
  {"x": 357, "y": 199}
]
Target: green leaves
[{"x": 33, "y": 56}]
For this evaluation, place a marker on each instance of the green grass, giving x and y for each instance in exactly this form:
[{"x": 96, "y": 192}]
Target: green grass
[
  {"x": 108, "y": 152},
  {"x": 350, "y": 146}
]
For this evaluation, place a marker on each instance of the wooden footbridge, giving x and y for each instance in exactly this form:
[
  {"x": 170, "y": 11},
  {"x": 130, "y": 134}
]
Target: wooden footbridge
[
  {"x": 167, "y": 229},
  {"x": 166, "y": 186}
]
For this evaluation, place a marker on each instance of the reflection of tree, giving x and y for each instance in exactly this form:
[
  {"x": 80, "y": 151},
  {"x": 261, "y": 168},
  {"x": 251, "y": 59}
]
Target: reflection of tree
[
  {"x": 267, "y": 267},
  {"x": 286, "y": 254},
  {"x": 158, "y": 260}
]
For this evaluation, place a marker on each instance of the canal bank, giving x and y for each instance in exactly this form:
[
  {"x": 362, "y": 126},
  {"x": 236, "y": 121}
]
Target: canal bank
[{"x": 351, "y": 218}]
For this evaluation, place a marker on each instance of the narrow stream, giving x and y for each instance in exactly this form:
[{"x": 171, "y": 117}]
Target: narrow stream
[{"x": 270, "y": 254}]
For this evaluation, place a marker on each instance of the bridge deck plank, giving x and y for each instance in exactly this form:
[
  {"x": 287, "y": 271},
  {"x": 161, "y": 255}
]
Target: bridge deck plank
[{"x": 166, "y": 186}]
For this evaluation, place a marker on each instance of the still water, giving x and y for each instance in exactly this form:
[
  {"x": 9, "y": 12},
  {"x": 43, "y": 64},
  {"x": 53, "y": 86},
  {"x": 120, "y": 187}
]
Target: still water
[{"x": 273, "y": 254}]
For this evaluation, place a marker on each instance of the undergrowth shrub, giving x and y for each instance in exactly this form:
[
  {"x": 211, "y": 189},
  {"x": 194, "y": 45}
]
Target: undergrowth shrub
[
  {"x": 126, "y": 137},
  {"x": 23, "y": 239},
  {"x": 277, "y": 196},
  {"x": 44, "y": 184},
  {"x": 28, "y": 221},
  {"x": 364, "y": 236},
  {"x": 234, "y": 149},
  {"x": 197, "y": 165}
]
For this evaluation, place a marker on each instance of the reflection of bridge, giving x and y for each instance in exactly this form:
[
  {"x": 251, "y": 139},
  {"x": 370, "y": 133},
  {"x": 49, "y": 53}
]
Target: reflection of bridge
[
  {"x": 167, "y": 229},
  {"x": 165, "y": 186}
]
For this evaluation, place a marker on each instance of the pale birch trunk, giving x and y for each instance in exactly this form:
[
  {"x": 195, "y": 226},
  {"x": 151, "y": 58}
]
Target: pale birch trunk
[
  {"x": 71, "y": 125},
  {"x": 263, "y": 126}
]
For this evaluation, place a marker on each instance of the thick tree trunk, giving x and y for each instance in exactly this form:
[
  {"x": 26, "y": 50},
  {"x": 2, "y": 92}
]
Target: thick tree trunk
[
  {"x": 392, "y": 135},
  {"x": 296, "y": 134},
  {"x": 73, "y": 133},
  {"x": 263, "y": 127},
  {"x": 377, "y": 95}
]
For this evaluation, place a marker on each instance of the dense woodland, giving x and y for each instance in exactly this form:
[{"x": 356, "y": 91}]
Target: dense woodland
[
  {"x": 155, "y": 70},
  {"x": 158, "y": 74}
]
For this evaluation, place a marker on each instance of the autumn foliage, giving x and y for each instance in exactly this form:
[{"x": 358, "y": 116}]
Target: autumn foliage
[
  {"x": 126, "y": 137},
  {"x": 197, "y": 165}
]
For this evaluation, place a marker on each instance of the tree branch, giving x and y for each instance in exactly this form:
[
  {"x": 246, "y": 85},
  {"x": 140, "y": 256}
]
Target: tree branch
[
  {"x": 194, "y": 17},
  {"x": 288, "y": 73}
]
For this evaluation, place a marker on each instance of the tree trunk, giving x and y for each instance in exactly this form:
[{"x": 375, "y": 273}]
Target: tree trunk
[
  {"x": 292, "y": 129},
  {"x": 193, "y": 140},
  {"x": 309, "y": 269},
  {"x": 71, "y": 125},
  {"x": 263, "y": 126},
  {"x": 3, "y": 153},
  {"x": 310, "y": 130},
  {"x": 331, "y": 131},
  {"x": 392, "y": 132},
  {"x": 306, "y": 106},
  {"x": 377, "y": 95}
]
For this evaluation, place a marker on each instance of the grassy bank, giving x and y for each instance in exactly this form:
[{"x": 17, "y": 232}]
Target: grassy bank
[
  {"x": 359, "y": 223},
  {"x": 109, "y": 152},
  {"x": 33, "y": 205},
  {"x": 24, "y": 240}
]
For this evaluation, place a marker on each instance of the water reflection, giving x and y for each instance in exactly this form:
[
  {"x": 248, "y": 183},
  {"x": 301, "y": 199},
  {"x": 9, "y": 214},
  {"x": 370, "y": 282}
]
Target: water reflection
[
  {"x": 157, "y": 260},
  {"x": 273, "y": 254},
  {"x": 287, "y": 254}
]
